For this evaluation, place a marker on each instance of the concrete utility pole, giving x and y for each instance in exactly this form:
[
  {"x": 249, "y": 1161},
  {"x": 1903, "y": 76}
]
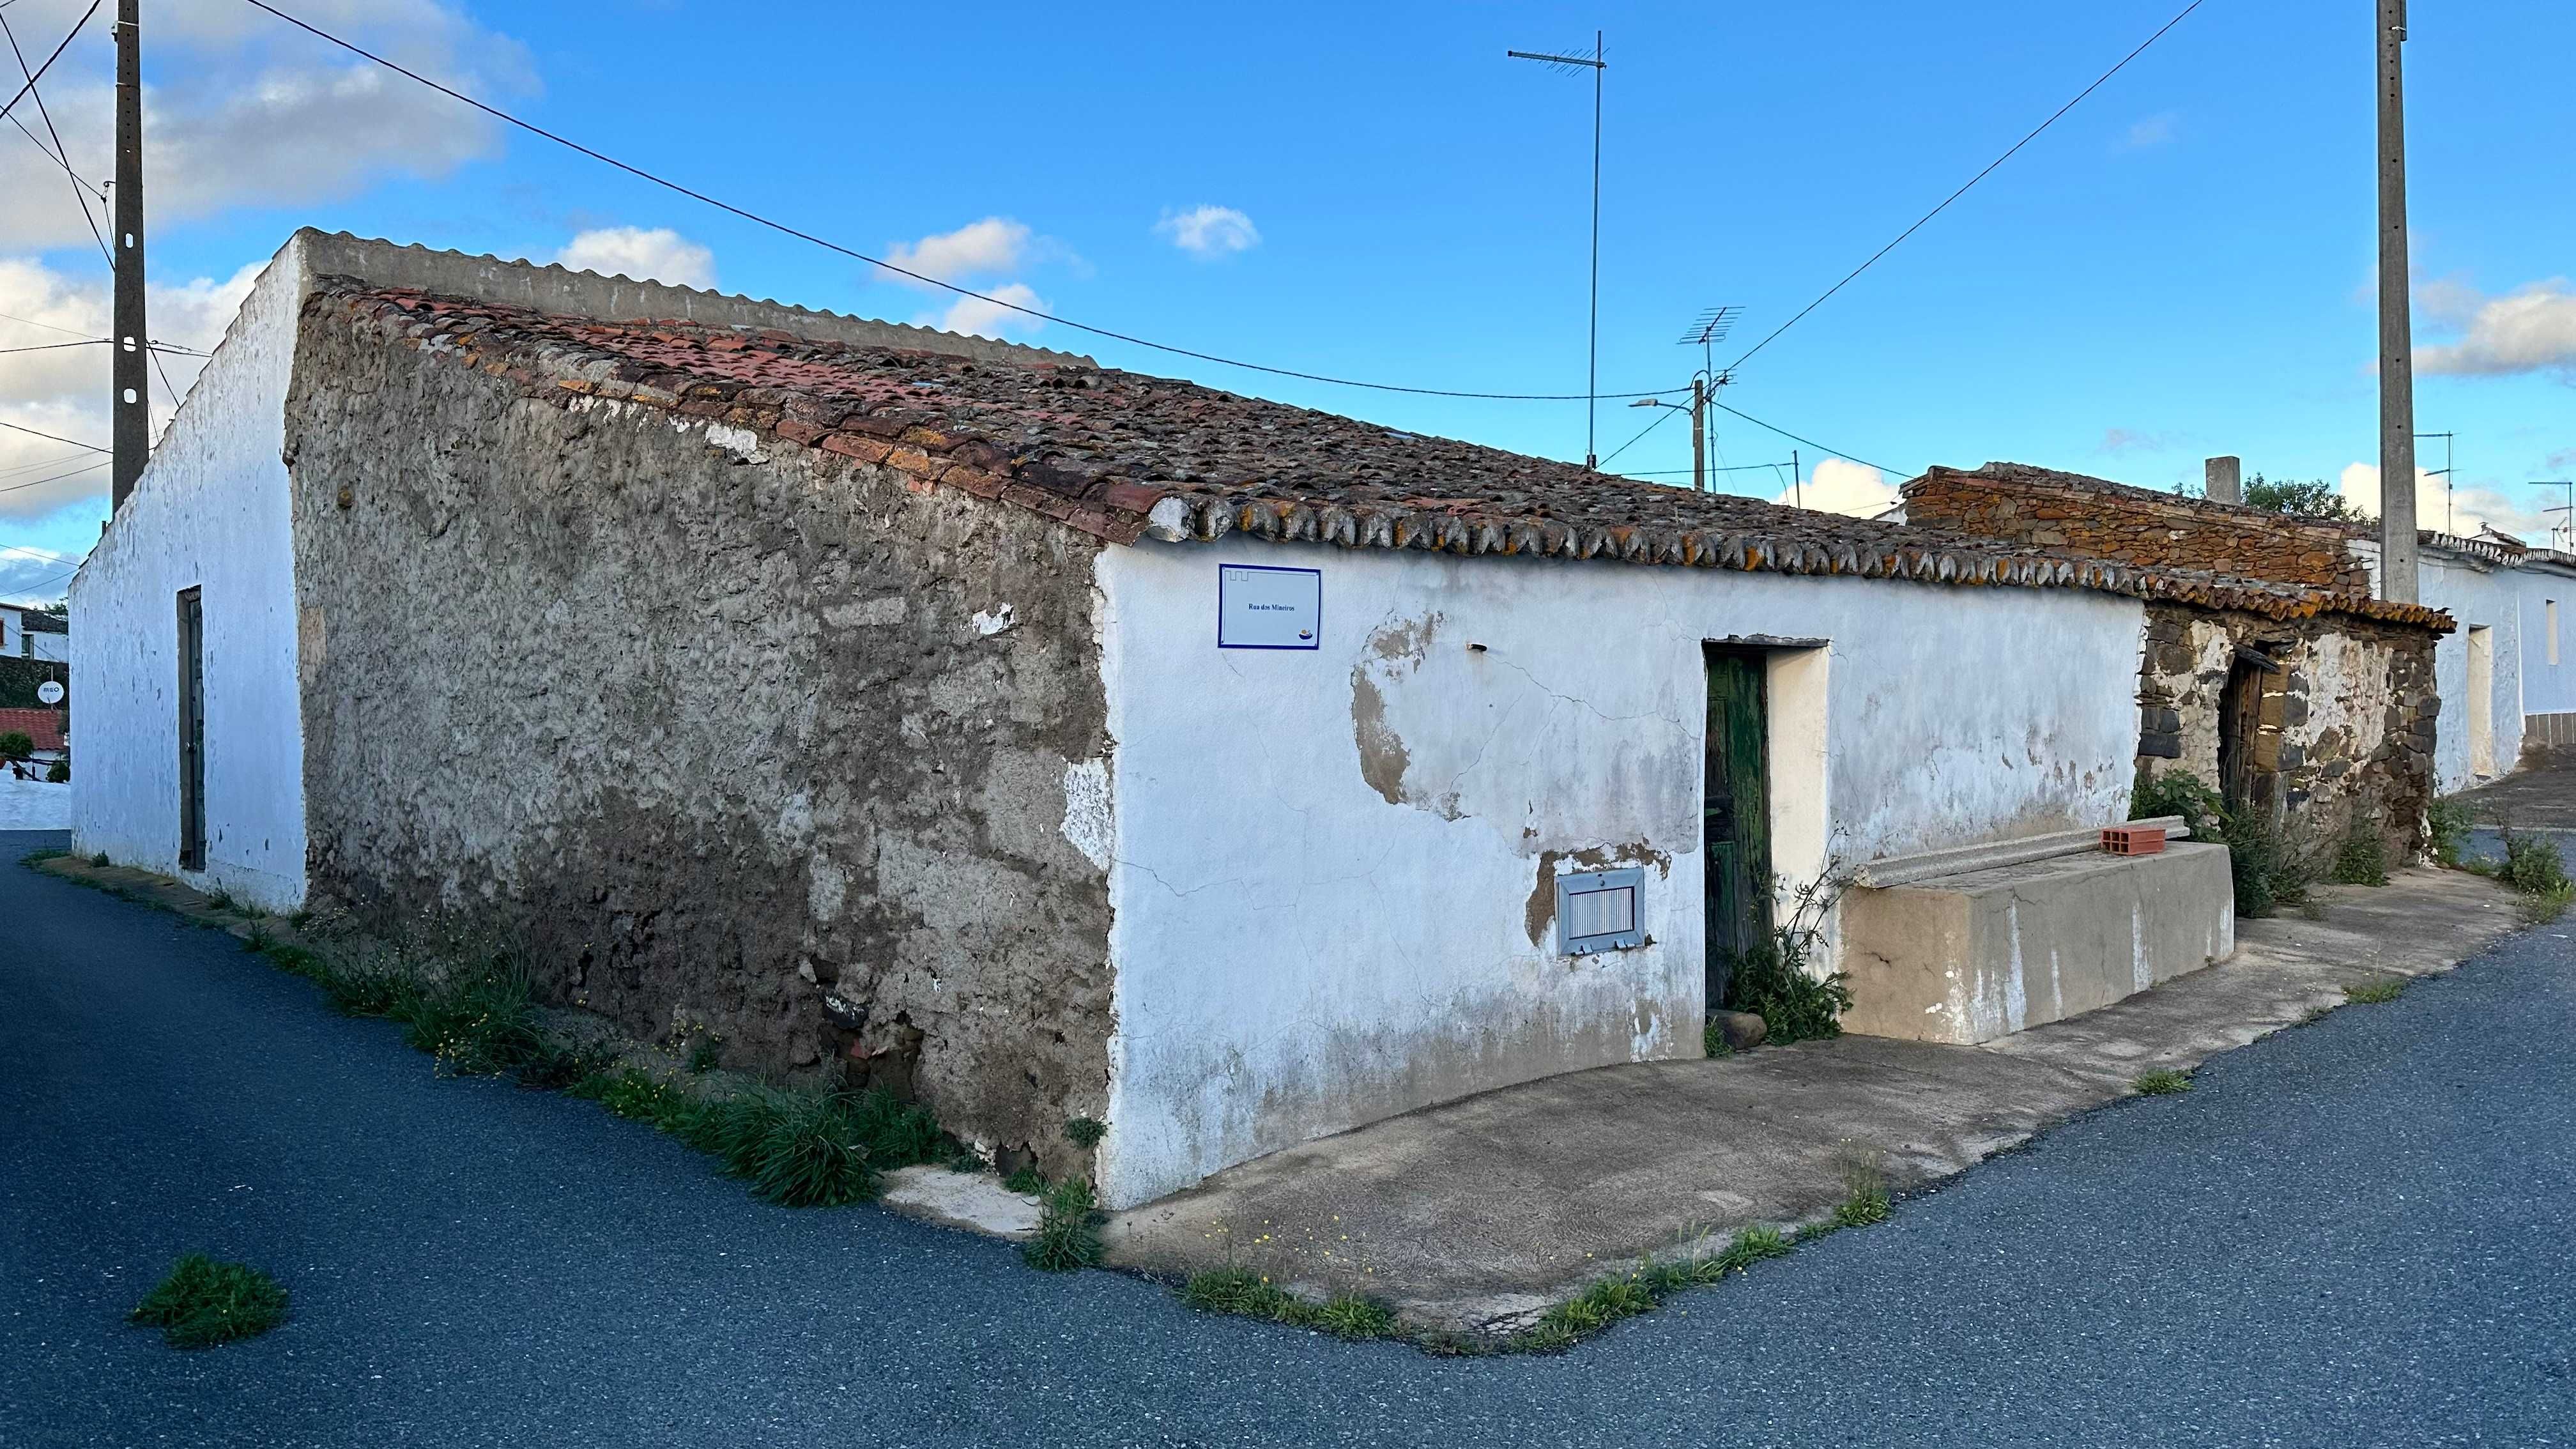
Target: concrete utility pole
[
  {"x": 2396, "y": 322},
  {"x": 131, "y": 407},
  {"x": 2223, "y": 480}
]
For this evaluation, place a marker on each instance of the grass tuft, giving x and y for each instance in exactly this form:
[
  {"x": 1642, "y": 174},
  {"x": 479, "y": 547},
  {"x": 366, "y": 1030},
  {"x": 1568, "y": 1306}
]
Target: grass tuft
[
  {"x": 2542, "y": 907},
  {"x": 2163, "y": 1082},
  {"x": 2376, "y": 993},
  {"x": 1712, "y": 1042},
  {"x": 1028, "y": 1180},
  {"x": 1085, "y": 1132},
  {"x": 203, "y": 1303},
  {"x": 1068, "y": 1229},
  {"x": 796, "y": 1149},
  {"x": 2361, "y": 858}
]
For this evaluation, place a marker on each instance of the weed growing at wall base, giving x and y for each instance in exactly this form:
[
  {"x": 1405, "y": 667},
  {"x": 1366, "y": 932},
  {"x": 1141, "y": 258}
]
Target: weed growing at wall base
[
  {"x": 1068, "y": 1229},
  {"x": 2376, "y": 993},
  {"x": 203, "y": 1303},
  {"x": 2162, "y": 1082}
]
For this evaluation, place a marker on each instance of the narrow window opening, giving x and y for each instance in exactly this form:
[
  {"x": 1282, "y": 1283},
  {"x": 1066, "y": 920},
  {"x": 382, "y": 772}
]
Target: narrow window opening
[{"x": 192, "y": 729}]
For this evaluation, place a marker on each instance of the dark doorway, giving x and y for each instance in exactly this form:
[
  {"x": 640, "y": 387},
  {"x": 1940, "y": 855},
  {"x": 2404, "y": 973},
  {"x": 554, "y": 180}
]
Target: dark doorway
[
  {"x": 1736, "y": 814},
  {"x": 2248, "y": 727},
  {"x": 192, "y": 730}
]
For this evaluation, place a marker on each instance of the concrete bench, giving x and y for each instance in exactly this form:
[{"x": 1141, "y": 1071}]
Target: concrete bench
[{"x": 1969, "y": 957}]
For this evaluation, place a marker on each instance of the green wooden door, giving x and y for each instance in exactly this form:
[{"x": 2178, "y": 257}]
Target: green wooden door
[{"x": 1736, "y": 819}]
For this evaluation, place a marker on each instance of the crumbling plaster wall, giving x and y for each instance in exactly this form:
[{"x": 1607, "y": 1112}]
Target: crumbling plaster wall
[
  {"x": 209, "y": 513},
  {"x": 2353, "y": 722},
  {"x": 755, "y": 741},
  {"x": 1334, "y": 870}
]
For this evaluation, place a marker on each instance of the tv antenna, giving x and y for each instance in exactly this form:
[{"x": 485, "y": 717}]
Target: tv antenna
[{"x": 1575, "y": 64}]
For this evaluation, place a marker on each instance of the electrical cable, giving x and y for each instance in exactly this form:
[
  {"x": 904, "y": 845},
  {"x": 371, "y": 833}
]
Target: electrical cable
[
  {"x": 53, "y": 437},
  {"x": 57, "y": 478},
  {"x": 48, "y": 326},
  {"x": 832, "y": 246},
  {"x": 62, "y": 154},
  {"x": 52, "y": 346},
  {"x": 49, "y": 60},
  {"x": 1963, "y": 190}
]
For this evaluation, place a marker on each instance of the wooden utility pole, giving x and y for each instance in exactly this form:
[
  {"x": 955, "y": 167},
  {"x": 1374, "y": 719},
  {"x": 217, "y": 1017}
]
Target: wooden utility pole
[
  {"x": 2396, "y": 322},
  {"x": 1699, "y": 435},
  {"x": 131, "y": 407}
]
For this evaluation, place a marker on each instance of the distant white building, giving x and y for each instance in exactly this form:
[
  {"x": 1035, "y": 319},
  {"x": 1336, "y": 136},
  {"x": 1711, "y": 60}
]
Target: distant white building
[
  {"x": 34, "y": 634},
  {"x": 2508, "y": 676}
]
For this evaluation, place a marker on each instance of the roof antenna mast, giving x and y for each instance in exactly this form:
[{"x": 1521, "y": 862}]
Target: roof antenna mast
[{"x": 1574, "y": 64}]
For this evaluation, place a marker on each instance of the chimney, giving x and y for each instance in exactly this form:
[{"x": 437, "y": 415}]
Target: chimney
[{"x": 2224, "y": 480}]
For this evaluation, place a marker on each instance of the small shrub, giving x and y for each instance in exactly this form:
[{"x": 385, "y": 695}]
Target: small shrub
[
  {"x": 631, "y": 1094},
  {"x": 2376, "y": 993},
  {"x": 2542, "y": 907},
  {"x": 2271, "y": 869},
  {"x": 2362, "y": 858},
  {"x": 1068, "y": 1229},
  {"x": 1085, "y": 1133},
  {"x": 705, "y": 1054},
  {"x": 203, "y": 1303},
  {"x": 16, "y": 745},
  {"x": 2449, "y": 822},
  {"x": 1712, "y": 1042},
  {"x": 59, "y": 773},
  {"x": 99, "y": 860},
  {"x": 1028, "y": 1180},
  {"x": 1238, "y": 1291},
  {"x": 2163, "y": 1082},
  {"x": 2532, "y": 863}
]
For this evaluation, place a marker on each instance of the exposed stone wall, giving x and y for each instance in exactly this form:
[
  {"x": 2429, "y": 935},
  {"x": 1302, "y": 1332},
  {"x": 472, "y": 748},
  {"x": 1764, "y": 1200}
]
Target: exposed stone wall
[
  {"x": 2347, "y": 722},
  {"x": 768, "y": 744},
  {"x": 2096, "y": 518}
]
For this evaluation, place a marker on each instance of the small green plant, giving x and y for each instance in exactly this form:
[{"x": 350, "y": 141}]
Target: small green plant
[
  {"x": 222, "y": 900},
  {"x": 203, "y": 1303},
  {"x": 1865, "y": 1186},
  {"x": 796, "y": 1149},
  {"x": 2542, "y": 907},
  {"x": 479, "y": 1022},
  {"x": 705, "y": 1054},
  {"x": 2377, "y": 992},
  {"x": 632, "y": 1094},
  {"x": 2361, "y": 858},
  {"x": 2448, "y": 821},
  {"x": 99, "y": 860},
  {"x": 1354, "y": 1316},
  {"x": 2532, "y": 863},
  {"x": 1068, "y": 1235},
  {"x": 2272, "y": 868},
  {"x": 2163, "y": 1082},
  {"x": 1085, "y": 1133},
  {"x": 16, "y": 745},
  {"x": 1712, "y": 1042},
  {"x": 59, "y": 773},
  {"x": 1028, "y": 1180},
  {"x": 1772, "y": 979}
]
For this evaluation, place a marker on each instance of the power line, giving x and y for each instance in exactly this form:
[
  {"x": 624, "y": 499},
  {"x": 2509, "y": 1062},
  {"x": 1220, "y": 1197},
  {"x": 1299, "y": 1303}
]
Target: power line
[
  {"x": 832, "y": 246},
  {"x": 39, "y": 463},
  {"x": 48, "y": 326},
  {"x": 52, "y": 437},
  {"x": 38, "y": 553},
  {"x": 43, "y": 583},
  {"x": 1810, "y": 442},
  {"x": 56, "y": 478},
  {"x": 53, "y": 346},
  {"x": 49, "y": 60},
  {"x": 62, "y": 154},
  {"x": 1963, "y": 190}
]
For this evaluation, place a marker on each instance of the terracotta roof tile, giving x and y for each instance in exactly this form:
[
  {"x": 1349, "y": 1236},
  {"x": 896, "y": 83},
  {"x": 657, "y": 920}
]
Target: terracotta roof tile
[{"x": 1117, "y": 454}]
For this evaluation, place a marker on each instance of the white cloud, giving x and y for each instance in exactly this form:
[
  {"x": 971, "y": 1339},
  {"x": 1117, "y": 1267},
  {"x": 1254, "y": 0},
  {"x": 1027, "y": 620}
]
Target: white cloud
[
  {"x": 1839, "y": 486},
  {"x": 658, "y": 255},
  {"x": 984, "y": 248},
  {"x": 2153, "y": 131},
  {"x": 64, "y": 391},
  {"x": 242, "y": 110},
  {"x": 987, "y": 319},
  {"x": 1209, "y": 231},
  {"x": 2462, "y": 513},
  {"x": 2531, "y": 329}
]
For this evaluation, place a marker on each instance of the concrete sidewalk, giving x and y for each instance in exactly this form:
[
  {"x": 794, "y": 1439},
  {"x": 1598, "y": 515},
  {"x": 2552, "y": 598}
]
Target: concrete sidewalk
[
  {"x": 1475, "y": 1215},
  {"x": 2540, "y": 795}
]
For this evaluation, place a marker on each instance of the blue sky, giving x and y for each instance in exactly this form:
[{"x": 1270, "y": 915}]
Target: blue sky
[{"x": 2180, "y": 267}]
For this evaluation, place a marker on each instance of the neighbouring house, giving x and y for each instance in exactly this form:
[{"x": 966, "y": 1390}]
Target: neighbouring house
[
  {"x": 42, "y": 726},
  {"x": 1074, "y": 743},
  {"x": 2325, "y": 714},
  {"x": 2508, "y": 681},
  {"x": 34, "y": 634}
]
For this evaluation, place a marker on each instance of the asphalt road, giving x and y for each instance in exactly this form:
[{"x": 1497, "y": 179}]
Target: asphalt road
[{"x": 2355, "y": 1233}]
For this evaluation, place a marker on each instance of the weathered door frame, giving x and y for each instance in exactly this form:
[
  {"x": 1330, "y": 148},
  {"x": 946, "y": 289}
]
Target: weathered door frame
[{"x": 1735, "y": 807}]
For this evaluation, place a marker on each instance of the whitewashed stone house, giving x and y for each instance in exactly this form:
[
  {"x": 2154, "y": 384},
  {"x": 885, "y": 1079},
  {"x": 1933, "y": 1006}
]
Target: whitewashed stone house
[{"x": 1074, "y": 742}]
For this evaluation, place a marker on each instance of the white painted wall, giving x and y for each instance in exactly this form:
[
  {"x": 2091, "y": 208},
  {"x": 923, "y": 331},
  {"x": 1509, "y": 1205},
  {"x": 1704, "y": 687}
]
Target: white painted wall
[
  {"x": 211, "y": 511},
  {"x": 1296, "y": 954},
  {"x": 2548, "y": 686}
]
